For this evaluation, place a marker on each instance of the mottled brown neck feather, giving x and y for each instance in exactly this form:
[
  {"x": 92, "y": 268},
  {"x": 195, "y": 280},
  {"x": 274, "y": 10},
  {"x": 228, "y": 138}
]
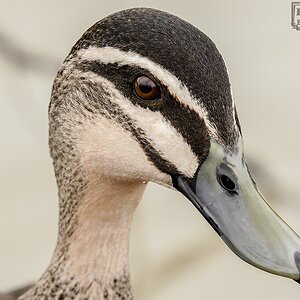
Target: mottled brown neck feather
[{"x": 91, "y": 257}]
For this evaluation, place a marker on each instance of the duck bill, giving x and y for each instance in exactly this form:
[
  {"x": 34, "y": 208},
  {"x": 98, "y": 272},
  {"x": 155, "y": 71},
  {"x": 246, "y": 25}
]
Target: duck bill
[{"x": 224, "y": 192}]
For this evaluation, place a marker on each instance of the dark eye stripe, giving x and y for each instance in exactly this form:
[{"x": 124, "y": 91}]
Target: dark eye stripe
[
  {"x": 113, "y": 111},
  {"x": 187, "y": 122}
]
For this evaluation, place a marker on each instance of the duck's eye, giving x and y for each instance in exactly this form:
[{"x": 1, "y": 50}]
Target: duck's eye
[
  {"x": 227, "y": 183},
  {"x": 146, "y": 88}
]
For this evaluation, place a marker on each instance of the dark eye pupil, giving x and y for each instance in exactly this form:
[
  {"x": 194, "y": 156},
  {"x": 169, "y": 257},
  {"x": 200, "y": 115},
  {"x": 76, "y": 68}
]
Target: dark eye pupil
[
  {"x": 146, "y": 88},
  {"x": 227, "y": 183}
]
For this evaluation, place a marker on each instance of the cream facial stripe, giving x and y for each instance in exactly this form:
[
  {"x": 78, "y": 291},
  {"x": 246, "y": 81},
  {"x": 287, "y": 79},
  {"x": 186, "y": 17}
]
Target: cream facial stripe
[
  {"x": 155, "y": 127},
  {"x": 110, "y": 55}
]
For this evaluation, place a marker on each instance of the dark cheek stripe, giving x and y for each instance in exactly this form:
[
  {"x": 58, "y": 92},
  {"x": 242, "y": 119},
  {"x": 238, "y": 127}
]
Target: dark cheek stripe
[
  {"x": 161, "y": 163},
  {"x": 187, "y": 122},
  {"x": 111, "y": 110}
]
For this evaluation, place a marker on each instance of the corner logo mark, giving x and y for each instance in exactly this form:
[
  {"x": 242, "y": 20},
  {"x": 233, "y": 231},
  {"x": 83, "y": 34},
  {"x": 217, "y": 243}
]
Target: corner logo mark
[{"x": 295, "y": 15}]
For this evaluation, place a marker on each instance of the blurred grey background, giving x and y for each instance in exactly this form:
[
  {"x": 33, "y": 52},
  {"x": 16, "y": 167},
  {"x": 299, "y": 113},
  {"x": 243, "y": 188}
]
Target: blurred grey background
[{"x": 174, "y": 253}]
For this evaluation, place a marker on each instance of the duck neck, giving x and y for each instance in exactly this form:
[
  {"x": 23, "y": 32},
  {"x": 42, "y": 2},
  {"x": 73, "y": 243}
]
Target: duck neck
[{"x": 91, "y": 257}]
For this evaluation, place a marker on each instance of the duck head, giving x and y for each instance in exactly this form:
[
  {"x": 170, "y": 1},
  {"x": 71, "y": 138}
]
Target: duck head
[{"x": 145, "y": 96}]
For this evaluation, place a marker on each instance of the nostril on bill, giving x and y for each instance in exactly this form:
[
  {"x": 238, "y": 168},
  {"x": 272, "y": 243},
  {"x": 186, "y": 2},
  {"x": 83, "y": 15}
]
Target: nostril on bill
[{"x": 297, "y": 261}]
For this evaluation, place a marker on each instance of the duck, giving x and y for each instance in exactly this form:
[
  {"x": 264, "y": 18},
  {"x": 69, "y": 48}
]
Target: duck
[{"x": 144, "y": 96}]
